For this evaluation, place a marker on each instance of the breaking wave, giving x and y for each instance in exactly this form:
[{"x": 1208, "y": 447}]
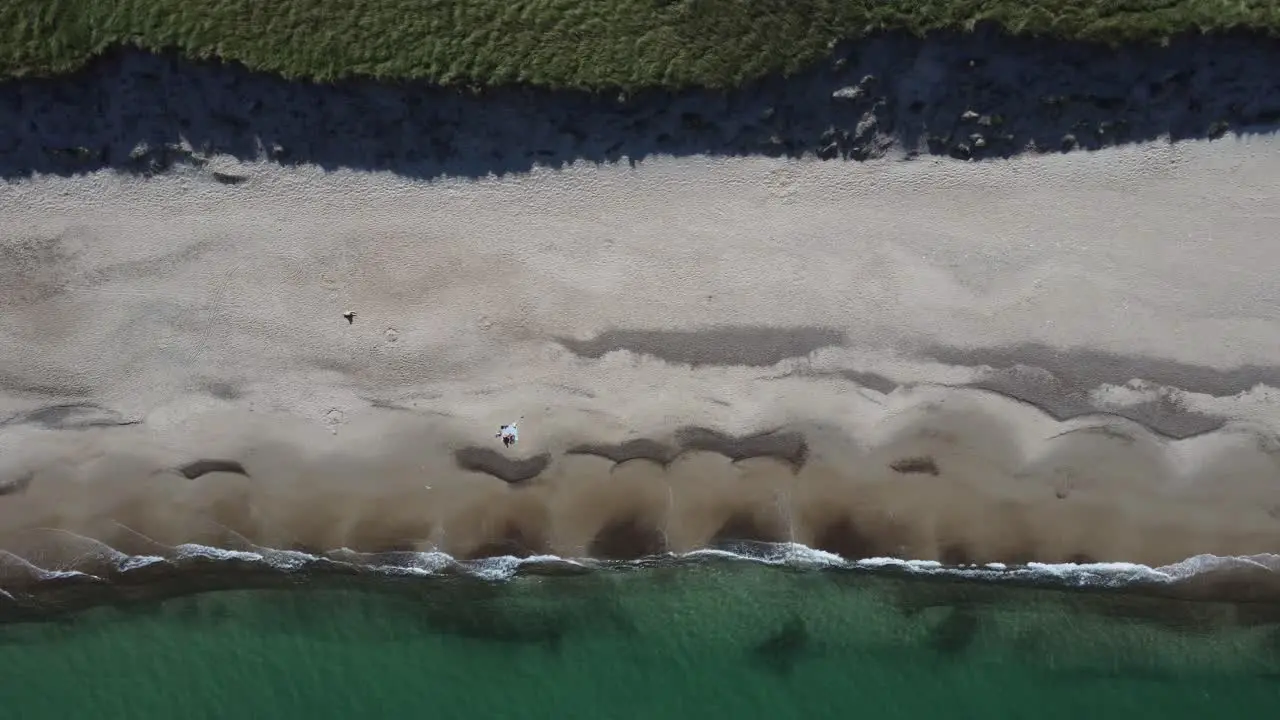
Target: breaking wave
[{"x": 103, "y": 575}]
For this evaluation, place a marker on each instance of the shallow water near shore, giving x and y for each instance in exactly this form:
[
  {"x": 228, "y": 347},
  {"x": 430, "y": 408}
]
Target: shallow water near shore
[{"x": 714, "y": 638}]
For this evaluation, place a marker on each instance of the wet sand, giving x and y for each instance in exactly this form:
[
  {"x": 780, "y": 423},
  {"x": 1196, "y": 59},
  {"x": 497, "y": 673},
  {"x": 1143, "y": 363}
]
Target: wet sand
[{"x": 1047, "y": 358}]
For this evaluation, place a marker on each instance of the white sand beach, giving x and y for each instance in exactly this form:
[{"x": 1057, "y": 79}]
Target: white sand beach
[{"x": 938, "y": 352}]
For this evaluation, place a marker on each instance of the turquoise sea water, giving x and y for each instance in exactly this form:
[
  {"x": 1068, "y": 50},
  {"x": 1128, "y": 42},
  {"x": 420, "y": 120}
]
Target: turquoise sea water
[{"x": 719, "y": 639}]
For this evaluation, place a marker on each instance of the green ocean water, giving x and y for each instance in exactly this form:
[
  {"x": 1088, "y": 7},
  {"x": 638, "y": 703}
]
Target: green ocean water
[{"x": 716, "y": 640}]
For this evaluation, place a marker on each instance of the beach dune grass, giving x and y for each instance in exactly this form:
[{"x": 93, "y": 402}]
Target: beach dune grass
[{"x": 586, "y": 44}]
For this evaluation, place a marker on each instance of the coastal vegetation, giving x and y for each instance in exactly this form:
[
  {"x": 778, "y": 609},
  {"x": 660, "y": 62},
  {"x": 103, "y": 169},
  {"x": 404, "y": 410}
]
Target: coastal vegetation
[{"x": 586, "y": 44}]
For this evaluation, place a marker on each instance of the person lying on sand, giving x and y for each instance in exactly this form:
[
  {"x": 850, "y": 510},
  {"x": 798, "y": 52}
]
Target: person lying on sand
[{"x": 508, "y": 434}]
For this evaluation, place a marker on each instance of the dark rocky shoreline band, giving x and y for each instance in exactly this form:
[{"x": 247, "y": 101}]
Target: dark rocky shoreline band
[
  {"x": 979, "y": 95},
  {"x": 1244, "y": 598}
]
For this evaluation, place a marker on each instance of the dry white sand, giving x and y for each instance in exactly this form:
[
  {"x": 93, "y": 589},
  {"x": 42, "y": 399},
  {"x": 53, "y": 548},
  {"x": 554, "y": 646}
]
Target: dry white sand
[{"x": 151, "y": 322}]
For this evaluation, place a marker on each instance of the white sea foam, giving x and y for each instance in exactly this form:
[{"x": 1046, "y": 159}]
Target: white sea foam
[
  {"x": 503, "y": 568},
  {"x": 137, "y": 562},
  {"x": 40, "y": 573},
  {"x": 188, "y": 551}
]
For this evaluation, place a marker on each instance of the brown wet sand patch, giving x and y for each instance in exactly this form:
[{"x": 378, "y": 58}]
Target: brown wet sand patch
[
  {"x": 977, "y": 532},
  {"x": 613, "y": 508},
  {"x": 745, "y": 526},
  {"x": 857, "y": 510},
  {"x": 857, "y": 522},
  {"x": 788, "y": 447},
  {"x": 219, "y": 509},
  {"x": 381, "y": 527},
  {"x": 204, "y": 466},
  {"x": 1088, "y": 494},
  {"x": 514, "y": 539},
  {"x": 921, "y": 465},
  {"x": 639, "y": 449},
  {"x": 738, "y": 345},
  {"x": 500, "y": 521},
  {"x": 628, "y": 537},
  {"x": 709, "y": 490},
  {"x": 842, "y": 536},
  {"x": 509, "y": 469}
]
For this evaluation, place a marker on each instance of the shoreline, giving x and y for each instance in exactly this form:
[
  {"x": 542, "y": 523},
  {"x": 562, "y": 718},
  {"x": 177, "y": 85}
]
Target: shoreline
[{"x": 1173, "y": 597}]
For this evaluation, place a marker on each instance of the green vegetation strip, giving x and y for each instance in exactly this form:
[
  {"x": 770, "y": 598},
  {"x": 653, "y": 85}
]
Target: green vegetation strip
[{"x": 560, "y": 43}]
